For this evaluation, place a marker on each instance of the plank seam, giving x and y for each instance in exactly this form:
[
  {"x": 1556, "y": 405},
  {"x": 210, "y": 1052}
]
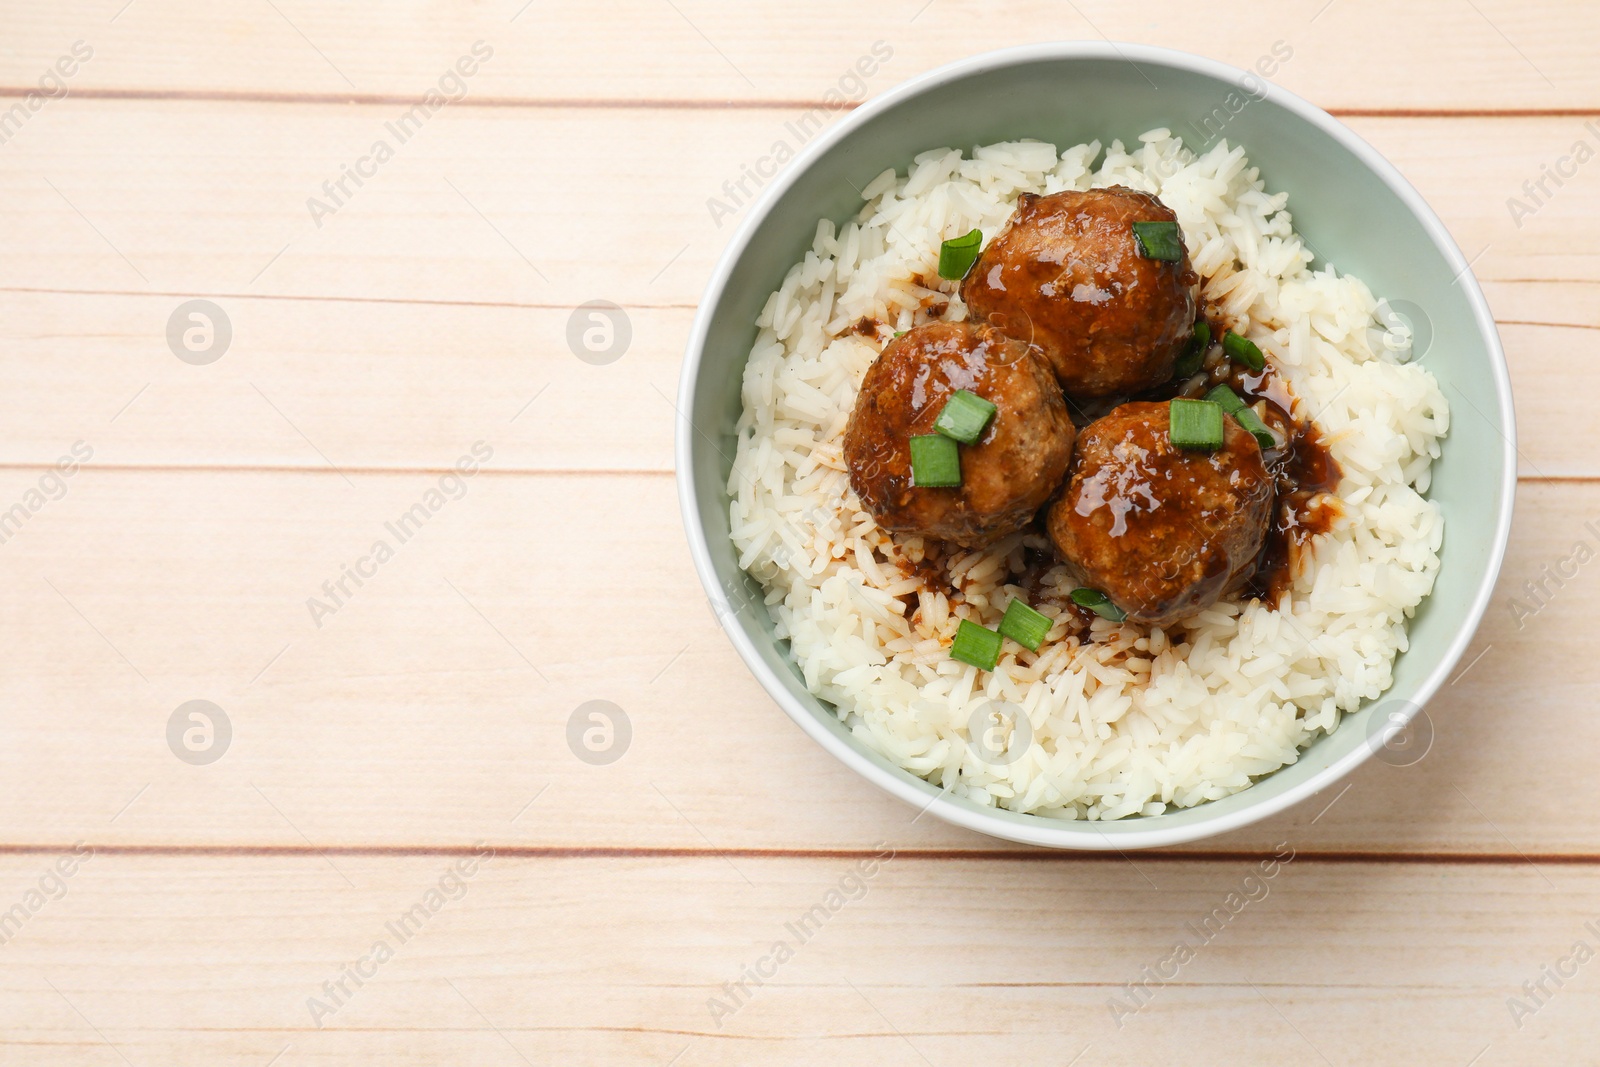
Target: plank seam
[
  {"x": 583, "y": 103},
  {"x": 559, "y": 852},
  {"x": 289, "y": 468},
  {"x": 420, "y": 301}
]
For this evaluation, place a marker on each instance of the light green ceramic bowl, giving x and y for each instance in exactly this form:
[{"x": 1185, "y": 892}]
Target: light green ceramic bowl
[{"x": 1354, "y": 209}]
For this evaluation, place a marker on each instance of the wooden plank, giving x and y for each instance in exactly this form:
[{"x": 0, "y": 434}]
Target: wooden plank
[
  {"x": 402, "y": 386},
  {"x": 433, "y": 705},
  {"x": 1351, "y": 54},
  {"x": 180, "y": 959},
  {"x": 309, "y": 383},
  {"x": 544, "y": 207}
]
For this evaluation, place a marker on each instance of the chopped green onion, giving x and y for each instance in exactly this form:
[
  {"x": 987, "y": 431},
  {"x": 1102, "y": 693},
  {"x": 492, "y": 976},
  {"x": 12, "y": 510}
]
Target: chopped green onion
[
  {"x": 957, "y": 255},
  {"x": 1195, "y": 424},
  {"x": 977, "y": 645},
  {"x": 1258, "y": 429},
  {"x": 1195, "y": 355},
  {"x": 1229, "y": 401},
  {"x": 935, "y": 461},
  {"x": 1159, "y": 240},
  {"x": 1243, "y": 350},
  {"x": 964, "y": 416},
  {"x": 1024, "y": 625},
  {"x": 1099, "y": 603}
]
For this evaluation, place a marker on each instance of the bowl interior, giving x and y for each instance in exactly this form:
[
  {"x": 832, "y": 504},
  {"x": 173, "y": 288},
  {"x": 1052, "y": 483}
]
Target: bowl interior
[{"x": 1348, "y": 214}]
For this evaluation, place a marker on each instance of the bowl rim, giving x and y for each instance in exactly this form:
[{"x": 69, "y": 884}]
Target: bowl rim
[{"x": 1039, "y": 830}]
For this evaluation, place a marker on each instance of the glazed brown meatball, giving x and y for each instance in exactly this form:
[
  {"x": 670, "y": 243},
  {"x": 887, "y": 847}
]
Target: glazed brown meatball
[
  {"x": 1162, "y": 531},
  {"x": 1067, "y": 275},
  {"x": 1006, "y": 476}
]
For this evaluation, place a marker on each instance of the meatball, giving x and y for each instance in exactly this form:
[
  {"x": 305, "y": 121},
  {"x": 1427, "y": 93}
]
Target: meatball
[
  {"x": 1006, "y": 475},
  {"x": 1067, "y": 275},
  {"x": 1162, "y": 531}
]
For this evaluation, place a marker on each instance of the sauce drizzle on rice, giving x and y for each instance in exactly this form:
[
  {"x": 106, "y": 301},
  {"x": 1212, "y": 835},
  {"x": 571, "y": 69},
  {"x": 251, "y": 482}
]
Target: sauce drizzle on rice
[{"x": 1307, "y": 476}]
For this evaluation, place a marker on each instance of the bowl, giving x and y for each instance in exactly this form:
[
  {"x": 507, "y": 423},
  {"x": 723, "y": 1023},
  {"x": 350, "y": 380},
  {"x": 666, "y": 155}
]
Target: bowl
[{"x": 1355, "y": 211}]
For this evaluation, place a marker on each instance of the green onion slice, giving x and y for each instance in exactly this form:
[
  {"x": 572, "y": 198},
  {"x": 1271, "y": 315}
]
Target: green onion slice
[
  {"x": 957, "y": 255},
  {"x": 1243, "y": 350},
  {"x": 977, "y": 645},
  {"x": 1099, "y": 603},
  {"x": 1024, "y": 625},
  {"x": 1229, "y": 401},
  {"x": 1159, "y": 240},
  {"x": 1189, "y": 363},
  {"x": 1195, "y": 424},
  {"x": 1195, "y": 355},
  {"x": 964, "y": 417},
  {"x": 935, "y": 461}
]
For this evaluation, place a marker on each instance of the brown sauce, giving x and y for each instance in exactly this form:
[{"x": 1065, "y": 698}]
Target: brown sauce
[
  {"x": 931, "y": 571},
  {"x": 1036, "y": 563},
  {"x": 936, "y": 303},
  {"x": 1303, "y": 470},
  {"x": 1306, "y": 474}
]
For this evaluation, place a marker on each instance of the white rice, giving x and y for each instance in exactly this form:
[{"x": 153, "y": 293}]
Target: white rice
[{"x": 1129, "y": 720}]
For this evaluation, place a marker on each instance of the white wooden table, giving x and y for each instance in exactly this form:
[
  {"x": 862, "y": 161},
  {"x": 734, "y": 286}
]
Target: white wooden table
[{"x": 416, "y": 728}]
